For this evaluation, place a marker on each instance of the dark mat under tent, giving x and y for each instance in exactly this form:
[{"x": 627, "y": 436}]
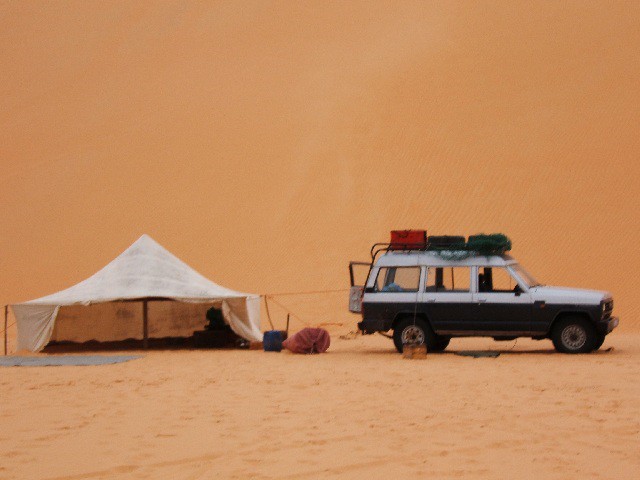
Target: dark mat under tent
[{"x": 65, "y": 360}]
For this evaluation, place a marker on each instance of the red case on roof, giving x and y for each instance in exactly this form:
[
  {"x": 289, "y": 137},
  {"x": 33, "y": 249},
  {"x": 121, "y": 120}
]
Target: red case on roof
[{"x": 408, "y": 239}]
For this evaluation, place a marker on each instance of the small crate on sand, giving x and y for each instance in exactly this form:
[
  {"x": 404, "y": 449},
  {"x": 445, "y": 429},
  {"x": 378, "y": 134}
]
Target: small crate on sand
[{"x": 414, "y": 351}]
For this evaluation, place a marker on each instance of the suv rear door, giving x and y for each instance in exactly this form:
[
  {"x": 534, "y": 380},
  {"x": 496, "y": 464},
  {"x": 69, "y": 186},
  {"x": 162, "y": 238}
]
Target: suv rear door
[
  {"x": 390, "y": 292},
  {"x": 448, "y": 301},
  {"x": 357, "y": 284}
]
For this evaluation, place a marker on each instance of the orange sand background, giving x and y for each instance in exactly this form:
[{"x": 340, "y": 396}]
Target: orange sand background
[{"x": 269, "y": 143}]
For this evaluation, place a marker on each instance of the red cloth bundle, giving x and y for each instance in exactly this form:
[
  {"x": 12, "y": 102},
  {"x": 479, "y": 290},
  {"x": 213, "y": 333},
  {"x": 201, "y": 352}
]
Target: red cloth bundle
[{"x": 308, "y": 340}]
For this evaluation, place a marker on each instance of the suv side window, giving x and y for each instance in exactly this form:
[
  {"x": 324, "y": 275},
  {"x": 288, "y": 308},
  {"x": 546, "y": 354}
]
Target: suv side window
[
  {"x": 448, "y": 279},
  {"x": 496, "y": 279},
  {"x": 398, "y": 279}
]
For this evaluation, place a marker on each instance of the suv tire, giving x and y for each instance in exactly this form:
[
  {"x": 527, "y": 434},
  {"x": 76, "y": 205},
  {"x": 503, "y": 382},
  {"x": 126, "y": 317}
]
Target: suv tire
[
  {"x": 574, "y": 335},
  {"x": 416, "y": 331},
  {"x": 441, "y": 343},
  {"x": 599, "y": 342}
]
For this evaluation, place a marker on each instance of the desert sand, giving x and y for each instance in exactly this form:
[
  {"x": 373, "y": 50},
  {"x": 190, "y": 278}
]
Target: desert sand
[
  {"x": 269, "y": 143},
  {"x": 358, "y": 411}
]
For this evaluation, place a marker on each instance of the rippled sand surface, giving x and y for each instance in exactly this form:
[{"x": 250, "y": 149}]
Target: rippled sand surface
[{"x": 359, "y": 411}]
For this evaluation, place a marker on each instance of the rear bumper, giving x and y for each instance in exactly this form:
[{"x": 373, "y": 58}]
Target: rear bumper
[{"x": 372, "y": 326}]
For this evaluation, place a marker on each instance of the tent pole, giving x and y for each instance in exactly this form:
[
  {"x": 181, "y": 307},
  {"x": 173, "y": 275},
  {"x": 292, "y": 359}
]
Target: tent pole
[
  {"x": 266, "y": 305},
  {"x": 6, "y": 314},
  {"x": 145, "y": 326}
]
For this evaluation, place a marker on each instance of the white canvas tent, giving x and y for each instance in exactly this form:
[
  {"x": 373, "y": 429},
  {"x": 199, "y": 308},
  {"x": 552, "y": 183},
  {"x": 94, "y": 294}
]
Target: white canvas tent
[{"x": 144, "y": 271}]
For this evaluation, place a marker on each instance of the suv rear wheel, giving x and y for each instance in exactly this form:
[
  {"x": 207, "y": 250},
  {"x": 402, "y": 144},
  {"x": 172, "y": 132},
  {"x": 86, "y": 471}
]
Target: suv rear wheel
[
  {"x": 441, "y": 343},
  {"x": 415, "y": 332},
  {"x": 574, "y": 335}
]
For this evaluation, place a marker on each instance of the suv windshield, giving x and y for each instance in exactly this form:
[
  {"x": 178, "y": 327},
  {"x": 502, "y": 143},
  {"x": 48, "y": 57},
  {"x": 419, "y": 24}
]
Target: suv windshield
[{"x": 525, "y": 276}]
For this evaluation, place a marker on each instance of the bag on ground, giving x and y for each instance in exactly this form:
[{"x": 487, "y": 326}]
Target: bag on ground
[{"x": 308, "y": 340}]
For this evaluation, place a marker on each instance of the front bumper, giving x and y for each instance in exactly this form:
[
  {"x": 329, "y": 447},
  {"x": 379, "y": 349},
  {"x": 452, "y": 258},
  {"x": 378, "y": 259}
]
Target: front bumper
[{"x": 606, "y": 325}]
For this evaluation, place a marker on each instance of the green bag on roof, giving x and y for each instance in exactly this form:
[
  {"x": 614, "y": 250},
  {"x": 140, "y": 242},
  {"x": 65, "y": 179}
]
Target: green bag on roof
[
  {"x": 493, "y": 244},
  {"x": 480, "y": 244}
]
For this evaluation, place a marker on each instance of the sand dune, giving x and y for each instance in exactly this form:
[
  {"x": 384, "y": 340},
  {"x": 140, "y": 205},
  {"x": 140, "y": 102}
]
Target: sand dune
[{"x": 267, "y": 143}]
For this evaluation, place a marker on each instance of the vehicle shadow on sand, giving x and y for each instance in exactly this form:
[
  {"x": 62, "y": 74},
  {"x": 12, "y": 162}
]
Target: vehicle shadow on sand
[{"x": 491, "y": 353}]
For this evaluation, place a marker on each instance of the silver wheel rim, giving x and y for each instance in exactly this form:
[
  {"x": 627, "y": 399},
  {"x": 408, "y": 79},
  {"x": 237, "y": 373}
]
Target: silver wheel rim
[
  {"x": 574, "y": 337},
  {"x": 412, "y": 335}
]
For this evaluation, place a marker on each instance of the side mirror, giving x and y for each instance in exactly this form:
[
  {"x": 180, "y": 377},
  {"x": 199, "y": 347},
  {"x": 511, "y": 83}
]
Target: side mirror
[{"x": 517, "y": 290}]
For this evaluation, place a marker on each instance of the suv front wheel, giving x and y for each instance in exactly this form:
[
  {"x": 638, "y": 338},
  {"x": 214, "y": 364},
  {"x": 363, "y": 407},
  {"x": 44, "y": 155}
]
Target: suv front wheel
[
  {"x": 417, "y": 332},
  {"x": 574, "y": 335}
]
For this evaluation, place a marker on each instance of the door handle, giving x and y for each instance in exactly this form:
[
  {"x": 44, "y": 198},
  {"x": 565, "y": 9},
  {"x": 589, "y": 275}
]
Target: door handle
[
  {"x": 431, "y": 300},
  {"x": 482, "y": 300}
]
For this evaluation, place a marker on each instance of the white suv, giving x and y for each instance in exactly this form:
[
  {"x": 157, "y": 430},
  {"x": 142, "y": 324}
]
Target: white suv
[{"x": 428, "y": 296}]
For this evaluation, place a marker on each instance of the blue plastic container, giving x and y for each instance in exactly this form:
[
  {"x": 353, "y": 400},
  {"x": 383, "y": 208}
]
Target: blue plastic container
[{"x": 272, "y": 341}]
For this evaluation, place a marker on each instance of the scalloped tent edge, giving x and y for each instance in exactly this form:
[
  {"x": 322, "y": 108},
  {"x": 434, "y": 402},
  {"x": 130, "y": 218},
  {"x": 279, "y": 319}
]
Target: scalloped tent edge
[{"x": 144, "y": 271}]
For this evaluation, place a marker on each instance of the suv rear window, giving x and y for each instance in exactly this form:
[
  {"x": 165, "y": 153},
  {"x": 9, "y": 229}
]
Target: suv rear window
[
  {"x": 398, "y": 279},
  {"x": 448, "y": 279}
]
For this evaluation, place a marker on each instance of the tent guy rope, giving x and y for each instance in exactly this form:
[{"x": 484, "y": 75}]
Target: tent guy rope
[
  {"x": 286, "y": 309},
  {"x": 6, "y": 315},
  {"x": 269, "y": 296},
  {"x": 312, "y": 292}
]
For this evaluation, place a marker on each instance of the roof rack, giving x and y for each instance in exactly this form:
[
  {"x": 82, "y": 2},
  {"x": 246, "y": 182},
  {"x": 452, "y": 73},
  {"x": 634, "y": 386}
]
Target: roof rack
[
  {"x": 378, "y": 248},
  {"x": 480, "y": 244}
]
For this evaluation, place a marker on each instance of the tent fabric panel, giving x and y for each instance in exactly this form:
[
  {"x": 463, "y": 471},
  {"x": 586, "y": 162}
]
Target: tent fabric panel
[
  {"x": 243, "y": 315},
  {"x": 35, "y": 325},
  {"x": 176, "y": 319},
  {"x": 145, "y": 269},
  {"x": 116, "y": 321},
  {"x": 102, "y": 322}
]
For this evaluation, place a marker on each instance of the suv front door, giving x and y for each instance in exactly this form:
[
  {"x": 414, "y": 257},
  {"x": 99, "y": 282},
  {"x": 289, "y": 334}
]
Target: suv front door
[{"x": 502, "y": 306}]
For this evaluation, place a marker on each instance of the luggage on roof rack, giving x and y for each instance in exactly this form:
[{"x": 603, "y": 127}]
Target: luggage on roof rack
[
  {"x": 493, "y": 244},
  {"x": 408, "y": 239},
  {"x": 447, "y": 246},
  {"x": 446, "y": 240}
]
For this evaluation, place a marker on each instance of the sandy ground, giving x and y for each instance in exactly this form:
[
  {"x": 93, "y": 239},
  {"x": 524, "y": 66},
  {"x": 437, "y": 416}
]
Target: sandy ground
[{"x": 359, "y": 411}]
